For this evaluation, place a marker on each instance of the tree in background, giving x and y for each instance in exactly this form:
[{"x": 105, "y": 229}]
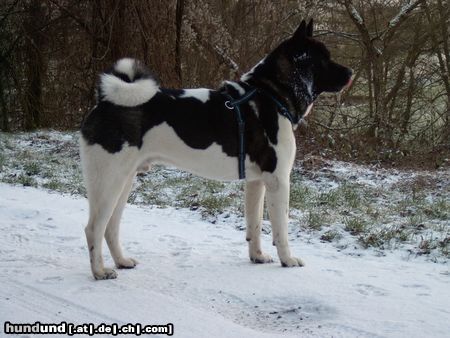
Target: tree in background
[{"x": 52, "y": 51}]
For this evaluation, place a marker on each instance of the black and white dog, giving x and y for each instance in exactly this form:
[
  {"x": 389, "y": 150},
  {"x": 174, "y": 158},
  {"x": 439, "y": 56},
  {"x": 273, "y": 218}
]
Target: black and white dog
[{"x": 244, "y": 129}]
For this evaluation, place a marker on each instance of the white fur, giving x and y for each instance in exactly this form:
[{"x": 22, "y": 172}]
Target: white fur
[
  {"x": 163, "y": 146},
  {"x": 254, "y": 210},
  {"x": 107, "y": 178},
  {"x": 277, "y": 188},
  {"x": 308, "y": 110},
  {"x": 126, "y": 66},
  {"x": 249, "y": 74},
  {"x": 236, "y": 86},
  {"x": 201, "y": 94},
  {"x": 127, "y": 94},
  {"x": 255, "y": 109}
]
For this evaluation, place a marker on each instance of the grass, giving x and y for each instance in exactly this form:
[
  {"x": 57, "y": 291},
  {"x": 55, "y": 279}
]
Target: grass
[
  {"x": 32, "y": 168},
  {"x": 355, "y": 226},
  {"x": 375, "y": 216},
  {"x": 26, "y": 181},
  {"x": 300, "y": 196},
  {"x": 330, "y": 236},
  {"x": 330, "y": 206},
  {"x": 383, "y": 238},
  {"x": 315, "y": 219},
  {"x": 2, "y": 160}
]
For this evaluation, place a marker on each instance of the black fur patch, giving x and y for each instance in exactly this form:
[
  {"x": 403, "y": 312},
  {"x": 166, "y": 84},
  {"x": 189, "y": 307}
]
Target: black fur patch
[{"x": 198, "y": 124}]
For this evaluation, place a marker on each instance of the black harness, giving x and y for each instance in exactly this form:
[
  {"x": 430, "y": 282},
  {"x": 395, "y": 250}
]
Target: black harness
[{"x": 234, "y": 104}]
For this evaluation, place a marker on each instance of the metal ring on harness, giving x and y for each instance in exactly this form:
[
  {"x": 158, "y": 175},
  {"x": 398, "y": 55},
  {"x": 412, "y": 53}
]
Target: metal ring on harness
[{"x": 229, "y": 105}]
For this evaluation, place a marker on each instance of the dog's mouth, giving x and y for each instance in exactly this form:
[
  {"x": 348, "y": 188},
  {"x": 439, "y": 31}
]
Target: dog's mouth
[{"x": 349, "y": 83}]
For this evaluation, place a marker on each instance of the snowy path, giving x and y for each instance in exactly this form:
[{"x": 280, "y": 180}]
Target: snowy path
[{"x": 197, "y": 276}]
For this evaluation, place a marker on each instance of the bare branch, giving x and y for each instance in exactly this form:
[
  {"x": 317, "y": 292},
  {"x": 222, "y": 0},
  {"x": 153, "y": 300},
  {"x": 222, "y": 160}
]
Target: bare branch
[{"x": 399, "y": 19}]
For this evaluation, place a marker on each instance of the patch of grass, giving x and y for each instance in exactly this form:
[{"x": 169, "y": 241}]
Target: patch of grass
[
  {"x": 315, "y": 219},
  {"x": 26, "y": 181},
  {"x": 330, "y": 199},
  {"x": 209, "y": 196},
  {"x": 330, "y": 236},
  {"x": 433, "y": 244},
  {"x": 213, "y": 205},
  {"x": 154, "y": 197},
  {"x": 2, "y": 160},
  {"x": 355, "y": 225},
  {"x": 54, "y": 185},
  {"x": 444, "y": 246},
  {"x": 373, "y": 212},
  {"x": 32, "y": 168},
  {"x": 384, "y": 237},
  {"x": 426, "y": 246},
  {"x": 372, "y": 239},
  {"x": 351, "y": 195},
  {"x": 415, "y": 221},
  {"x": 439, "y": 209},
  {"x": 300, "y": 196}
]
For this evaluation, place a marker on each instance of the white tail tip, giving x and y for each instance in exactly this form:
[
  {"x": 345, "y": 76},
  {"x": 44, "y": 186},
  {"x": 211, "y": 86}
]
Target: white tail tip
[{"x": 127, "y": 84}]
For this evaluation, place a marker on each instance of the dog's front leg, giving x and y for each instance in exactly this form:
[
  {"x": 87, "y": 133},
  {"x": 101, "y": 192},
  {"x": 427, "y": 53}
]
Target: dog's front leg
[
  {"x": 278, "y": 205},
  {"x": 254, "y": 208}
]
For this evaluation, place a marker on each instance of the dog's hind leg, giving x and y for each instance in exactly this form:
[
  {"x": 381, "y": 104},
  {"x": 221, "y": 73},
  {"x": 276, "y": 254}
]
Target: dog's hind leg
[
  {"x": 278, "y": 205},
  {"x": 105, "y": 177},
  {"x": 102, "y": 202},
  {"x": 112, "y": 229},
  {"x": 254, "y": 208}
]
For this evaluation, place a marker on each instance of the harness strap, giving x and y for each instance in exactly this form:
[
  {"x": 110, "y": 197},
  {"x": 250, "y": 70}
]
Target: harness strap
[
  {"x": 285, "y": 112},
  {"x": 233, "y": 104}
]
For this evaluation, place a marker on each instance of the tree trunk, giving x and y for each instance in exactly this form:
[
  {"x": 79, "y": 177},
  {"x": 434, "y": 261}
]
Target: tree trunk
[
  {"x": 3, "y": 107},
  {"x": 34, "y": 65},
  {"x": 179, "y": 26},
  {"x": 443, "y": 57}
]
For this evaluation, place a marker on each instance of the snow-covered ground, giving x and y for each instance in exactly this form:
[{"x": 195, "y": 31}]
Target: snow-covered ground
[
  {"x": 196, "y": 275},
  {"x": 354, "y": 207}
]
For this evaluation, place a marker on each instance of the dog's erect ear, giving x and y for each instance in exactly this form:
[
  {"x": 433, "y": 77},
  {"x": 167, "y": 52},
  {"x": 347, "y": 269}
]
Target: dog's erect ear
[
  {"x": 300, "y": 33},
  {"x": 310, "y": 28},
  {"x": 304, "y": 31}
]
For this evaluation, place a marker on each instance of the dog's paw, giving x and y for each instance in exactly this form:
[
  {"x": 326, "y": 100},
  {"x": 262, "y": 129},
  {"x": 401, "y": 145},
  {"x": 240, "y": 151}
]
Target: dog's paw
[
  {"x": 261, "y": 258},
  {"x": 126, "y": 263},
  {"x": 105, "y": 274},
  {"x": 291, "y": 262}
]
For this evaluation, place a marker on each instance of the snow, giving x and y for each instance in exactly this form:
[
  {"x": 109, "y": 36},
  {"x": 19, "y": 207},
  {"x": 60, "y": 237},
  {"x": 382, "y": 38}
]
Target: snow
[{"x": 197, "y": 276}]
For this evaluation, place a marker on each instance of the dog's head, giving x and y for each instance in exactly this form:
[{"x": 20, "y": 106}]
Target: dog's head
[
  {"x": 311, "y": 62},
  {"x": 301, "y": 68}
]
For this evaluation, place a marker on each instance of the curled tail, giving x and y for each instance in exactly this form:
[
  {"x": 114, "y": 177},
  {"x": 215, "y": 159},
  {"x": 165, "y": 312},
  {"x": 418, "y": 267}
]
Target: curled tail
[{"x": 128, "y": 83}]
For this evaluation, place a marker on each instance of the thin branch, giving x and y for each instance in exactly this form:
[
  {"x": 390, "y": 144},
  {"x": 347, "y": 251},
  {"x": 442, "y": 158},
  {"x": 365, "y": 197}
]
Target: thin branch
[{"x": 396, "y": 22}]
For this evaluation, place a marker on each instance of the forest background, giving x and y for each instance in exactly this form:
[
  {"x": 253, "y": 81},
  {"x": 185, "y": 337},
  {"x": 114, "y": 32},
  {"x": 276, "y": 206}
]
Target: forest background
[{"x": 397, "y": 112}]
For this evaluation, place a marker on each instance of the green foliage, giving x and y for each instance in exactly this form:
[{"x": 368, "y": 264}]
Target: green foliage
[
  {"x": 301, "y": 196},
  {"x": 32, "y": 168},
  {"x": 330, "y": 236},
  {"x": 355, "y": 225},
  {"x": 315, "y": 219}
]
